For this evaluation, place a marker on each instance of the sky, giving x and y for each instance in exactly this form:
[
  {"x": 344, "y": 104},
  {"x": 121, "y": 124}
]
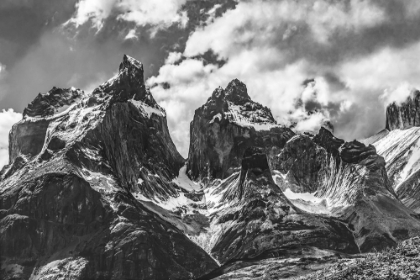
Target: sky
[{"x": 310, "y": 62}]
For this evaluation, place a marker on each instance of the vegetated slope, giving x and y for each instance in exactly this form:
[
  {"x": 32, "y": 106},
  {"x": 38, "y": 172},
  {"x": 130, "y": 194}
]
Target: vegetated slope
[{"x": 402, "y": 263}]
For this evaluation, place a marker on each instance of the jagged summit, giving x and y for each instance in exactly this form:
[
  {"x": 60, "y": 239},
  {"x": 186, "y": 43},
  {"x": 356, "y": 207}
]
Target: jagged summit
[
  {"x": 130, "y": 63},
  {"x": 54, "y": 101},
  {"x": 85, "y": 177},
  {"x": 127, "y": 84},
  {"x": 133, "y": 67},
  {"x": 227, "y": 124},
  {"x": 234, "y": 104},
  {"x": 236, "y": 89},
  {"x": 404, "y": 115}
]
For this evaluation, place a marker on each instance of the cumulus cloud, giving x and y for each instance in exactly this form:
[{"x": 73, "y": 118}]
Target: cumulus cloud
[
  {"x": 173, "y": 57},
  {"x": 318, "y": 20},
  {"x": 398, "y": 94},
  {"x": 131, "y": 35},
  {"x": 310, "y": 62},
  {"x": 7, "y": 119},
  {"x": 157, "y": 13}
]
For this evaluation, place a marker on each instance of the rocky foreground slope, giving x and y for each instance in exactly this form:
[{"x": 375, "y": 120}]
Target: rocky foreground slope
[
  {"x": 96, "y": 189},
  {"x": 401, "y": 262}
]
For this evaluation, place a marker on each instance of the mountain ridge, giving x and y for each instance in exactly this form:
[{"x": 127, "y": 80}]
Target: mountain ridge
[{"x": 96, "y": 185}]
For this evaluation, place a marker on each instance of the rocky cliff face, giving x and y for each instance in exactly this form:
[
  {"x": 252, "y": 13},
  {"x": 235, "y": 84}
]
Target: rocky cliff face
[
  {"x": 70, "y": 204},
  {"x": 349, "y": 181},
  {"x": 319, "y": 174},
  {"x": 301, "y": 165},
  {"x": 405, "y": 115},
  {"x": 399, "y": 144},
  {"x": 260, "y": 222},
  {"x": 225, "y": 126}
]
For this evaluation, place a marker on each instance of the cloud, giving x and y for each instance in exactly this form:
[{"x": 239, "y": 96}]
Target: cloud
[
  {"x": 7, "y": 119},
  {"x": 39, "y": 52},
  {"x": 256, "y": 23},
  {"x": 353, "y": 51},
  {"x": 173, "y": 57},
  {"x": 2, "y": 70},
  {"x": 157, "y": 13},
  {"x": 398, "y": 94},
  {"x": 131, "y": 35}
]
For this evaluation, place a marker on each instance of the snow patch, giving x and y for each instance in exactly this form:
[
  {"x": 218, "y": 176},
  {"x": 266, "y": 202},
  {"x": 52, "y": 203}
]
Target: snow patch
[
  {"x": 304, "y": 196},
  {"x": 217, "y": 116},
  {"x": 308, "y": 202},
  {"x": 414, "y": 158},
  {"x": 255, "y": 120},
  {"x": 185, "y": 182},
  {"x": 175, "y": 202},
  {"x": 147, "y": 109}
]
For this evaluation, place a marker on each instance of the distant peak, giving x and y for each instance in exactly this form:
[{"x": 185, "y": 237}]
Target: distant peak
[
  {"x": 129, "y": 62},
  {"x": 404, "y": 114},
  {"x": 236, "y": 88}
]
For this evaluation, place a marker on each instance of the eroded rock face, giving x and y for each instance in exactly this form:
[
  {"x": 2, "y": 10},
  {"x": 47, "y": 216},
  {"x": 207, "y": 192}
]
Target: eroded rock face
[
  {"x": 353, "y": 179},
  {"x": 304, "y": 164},
  {"x": 224, "y": 127},
  {"x": 27, "y": 139},
  {"x": 261, "y": 222},
  {"x": 405, "y": 115},
  {"x": 76, "y": 198}
]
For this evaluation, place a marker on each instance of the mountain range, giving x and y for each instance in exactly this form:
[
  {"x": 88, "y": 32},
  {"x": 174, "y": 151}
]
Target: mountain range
[{"x": 96, "y": 189}]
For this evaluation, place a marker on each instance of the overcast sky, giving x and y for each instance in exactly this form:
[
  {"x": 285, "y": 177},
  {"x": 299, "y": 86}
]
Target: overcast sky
[{"x": 309, "y": 61}]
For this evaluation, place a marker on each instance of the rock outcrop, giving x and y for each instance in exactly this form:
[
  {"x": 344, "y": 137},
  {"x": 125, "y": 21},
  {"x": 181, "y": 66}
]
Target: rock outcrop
[
  {"x": 69, "y": 199},
  {"x": 225, "y": 126},
  {"x": 405, "y": 115},
  {"x": 303, "y": 165}
]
